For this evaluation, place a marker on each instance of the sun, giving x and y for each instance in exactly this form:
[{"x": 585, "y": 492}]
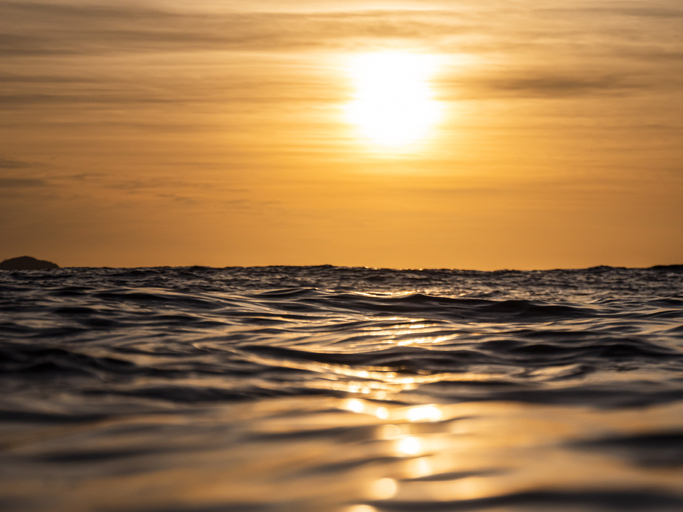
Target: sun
[{"x": 393, "y": 105}]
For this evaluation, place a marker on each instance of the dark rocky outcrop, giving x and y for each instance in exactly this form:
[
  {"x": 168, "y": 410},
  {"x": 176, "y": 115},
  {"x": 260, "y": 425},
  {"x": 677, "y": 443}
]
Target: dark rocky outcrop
[{"x": 26, "y": 263}]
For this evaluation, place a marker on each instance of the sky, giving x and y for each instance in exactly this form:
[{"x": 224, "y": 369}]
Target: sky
[{"x": 167, "y": 132}]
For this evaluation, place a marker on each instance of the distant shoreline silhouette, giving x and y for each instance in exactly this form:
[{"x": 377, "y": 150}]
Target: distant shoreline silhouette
[
  {"x": 31, "y": 263},
  {"x": 27, "y": 263}
]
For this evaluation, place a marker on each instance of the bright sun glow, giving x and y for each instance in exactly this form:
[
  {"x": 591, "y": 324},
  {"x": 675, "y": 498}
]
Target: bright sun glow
[{"x": 393, "y": 105}]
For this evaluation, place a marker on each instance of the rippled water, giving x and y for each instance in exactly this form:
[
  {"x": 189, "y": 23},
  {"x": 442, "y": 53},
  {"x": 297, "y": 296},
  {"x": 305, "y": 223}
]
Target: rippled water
[{"x": 341, "y": 389}]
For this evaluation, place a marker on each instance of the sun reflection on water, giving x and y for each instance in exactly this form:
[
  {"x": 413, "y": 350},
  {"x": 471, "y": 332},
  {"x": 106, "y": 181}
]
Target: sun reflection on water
[
  {"x": 361, "y": 508},
  {"x": 355, "y": 406},
  {"x": 383, "y": 489},
  {"x": 418, "y": 468},
  {"x": 390, "y": 432},
  {"x": 425, "y": 413},
  {"x": 409, "y": 446}
]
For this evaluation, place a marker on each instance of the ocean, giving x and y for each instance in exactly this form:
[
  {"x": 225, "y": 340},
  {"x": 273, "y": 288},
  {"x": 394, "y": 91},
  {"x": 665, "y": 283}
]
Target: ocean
[{"x": 340, "y": 389}]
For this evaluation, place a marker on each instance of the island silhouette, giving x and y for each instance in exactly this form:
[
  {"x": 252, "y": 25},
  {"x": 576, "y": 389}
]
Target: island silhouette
[{"x": 27, "y": 263}]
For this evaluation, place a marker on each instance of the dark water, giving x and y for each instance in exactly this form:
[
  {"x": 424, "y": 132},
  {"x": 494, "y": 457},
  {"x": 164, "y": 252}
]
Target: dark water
[{"x": 341, "y": 389}]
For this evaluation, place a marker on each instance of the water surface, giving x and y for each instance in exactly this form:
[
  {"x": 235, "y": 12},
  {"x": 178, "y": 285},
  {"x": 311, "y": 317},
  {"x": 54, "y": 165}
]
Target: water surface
[{"x": 341, "y": 389}]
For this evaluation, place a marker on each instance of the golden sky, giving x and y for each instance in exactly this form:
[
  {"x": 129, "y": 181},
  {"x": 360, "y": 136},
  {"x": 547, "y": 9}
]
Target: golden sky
[{"x": 167, "y": 132}]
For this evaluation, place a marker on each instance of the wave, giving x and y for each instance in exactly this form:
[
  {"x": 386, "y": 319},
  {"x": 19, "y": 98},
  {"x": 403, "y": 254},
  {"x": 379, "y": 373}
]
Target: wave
[
  {"x": 341, "y": 389},
  {"x": 557, "y": 328}
]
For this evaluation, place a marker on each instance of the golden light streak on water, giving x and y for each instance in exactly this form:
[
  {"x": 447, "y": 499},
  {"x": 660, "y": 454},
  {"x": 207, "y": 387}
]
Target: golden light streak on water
[
  {"x": 390, "y": 432},
  {"x": 424, "y": 413},
  {"x": 360, "y": 508},
  {"x": 418, "y": 468},
  {"x": 383, "y": 489},
  {"x": 409, "y": 446},
  {"x": 355, "y": 406}
]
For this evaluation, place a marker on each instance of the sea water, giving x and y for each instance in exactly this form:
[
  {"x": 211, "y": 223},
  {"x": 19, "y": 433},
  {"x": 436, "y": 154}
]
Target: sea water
[{"x": 341, "y": 389}]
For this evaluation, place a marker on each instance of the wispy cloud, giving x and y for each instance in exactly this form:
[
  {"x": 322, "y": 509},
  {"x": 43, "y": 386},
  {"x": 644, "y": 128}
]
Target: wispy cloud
[
  {"x": 90, "y": 29},
  {"x": 540, "y": 84},
  {"x": 547, "y": 53},
  {"x": 21, "y": 183},
  {"x": 52, "y": 28},
  {"x": 6, "y": 163}
]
